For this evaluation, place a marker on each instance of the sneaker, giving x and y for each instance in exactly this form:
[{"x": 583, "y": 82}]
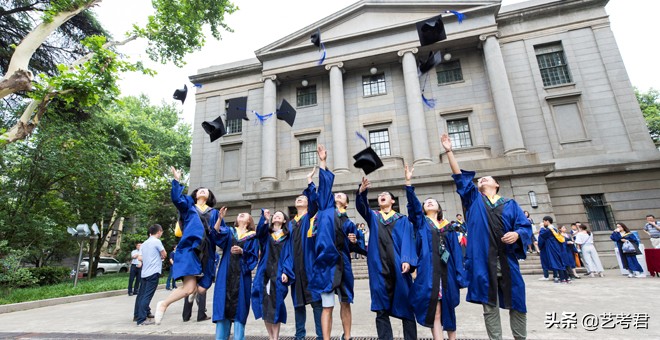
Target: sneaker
[
  {"x": 601, "y": 274},
  {"x": 592, "y": 275},
  {"x": 630, "y": 275},
  {"x": 640, "y": 275},
  {"x": 556, "y": 280},
  {"x": 159, "y": 313},
  {"x": 544, "y": 279},
  {"x": 146, "y": 323},
  {"x": 191, "y": 297}
]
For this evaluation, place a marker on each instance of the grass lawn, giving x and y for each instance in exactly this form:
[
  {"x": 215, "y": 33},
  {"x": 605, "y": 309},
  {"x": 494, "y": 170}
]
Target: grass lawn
[{"x": 85, "y": 286}]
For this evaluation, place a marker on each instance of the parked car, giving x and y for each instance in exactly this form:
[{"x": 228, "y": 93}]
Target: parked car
[{"x": 106, "y": 265}]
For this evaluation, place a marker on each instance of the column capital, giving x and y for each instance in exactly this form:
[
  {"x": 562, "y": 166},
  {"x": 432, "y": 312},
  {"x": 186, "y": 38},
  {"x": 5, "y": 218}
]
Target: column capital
[
  {"x": 339, "y": 65},
  {"x": 485, "y": 36},
  {"x": 272, "y": 77},
  {"x": 413, "y": 50}
]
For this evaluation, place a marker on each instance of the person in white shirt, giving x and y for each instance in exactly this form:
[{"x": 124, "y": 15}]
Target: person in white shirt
[
  {"x": 585, "y": 241},
  {"x": 136, "y": 266},
  {"x": 153, "y": 254}
]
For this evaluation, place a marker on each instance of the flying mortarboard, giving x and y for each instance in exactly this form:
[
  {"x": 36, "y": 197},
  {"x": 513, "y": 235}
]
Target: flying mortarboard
[
  {"x": 236, "y": 108},
  {"x": 432, "y": 61},
  {"x": 180, "y": 94},
  {"x": 215, "y": 129},
  {"x": 431, "y": 30},
  {"x": 367, "y": 160},
  {"x": 316, "y": 38},
  {"x": 286, "y": 112}
]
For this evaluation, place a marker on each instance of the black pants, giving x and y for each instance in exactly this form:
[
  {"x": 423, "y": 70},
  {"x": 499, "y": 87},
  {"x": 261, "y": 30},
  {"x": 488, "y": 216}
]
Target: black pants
[
  {"x": 134, "y": 276},
  {"x": 144, "y": 296},
  {"x": 384, "y": 327},
  {"x": 201, "y": 308}
]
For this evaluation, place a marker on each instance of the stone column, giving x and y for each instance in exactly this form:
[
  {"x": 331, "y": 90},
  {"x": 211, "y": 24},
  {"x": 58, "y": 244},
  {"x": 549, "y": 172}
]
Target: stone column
[
  {"x": 338, "y": 112},
  {"x": 416, "y": 119},
  {"x": 269, "y": 131},
  {"x": 502, "y": 96}
]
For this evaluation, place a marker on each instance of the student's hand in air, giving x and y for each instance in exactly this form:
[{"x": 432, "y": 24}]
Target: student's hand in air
[
  {"x": 446, "y": 142},
  {"x": 323, "y": 154},
  {"x": 510, "y": 237},
  {"x": 267, "y": 215},
  {"x": 365, "y": 185},
  {"x": 405, "y": 267},
  {"x": 176, "y": 173},
  {"x": 223, "y": 212},
  {"x": 408, "y": 172},
  {"x": 285, "y": 279},
  {"x": 311, "y": 175},
  {"x": 352, "y": 238}
]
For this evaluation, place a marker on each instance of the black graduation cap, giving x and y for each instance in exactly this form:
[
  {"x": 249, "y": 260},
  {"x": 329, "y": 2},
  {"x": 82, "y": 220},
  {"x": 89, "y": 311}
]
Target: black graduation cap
[
  {"x": 286, "y": 112},
  {"x": 431, "y": 30},
  {"x": 215, "y": 129},
  {"x": 236, "y": 108},
  {"x": 316, "y": 38},
  {"x": 180, "y": 94},
  {"x": 432, "y": 61},
  {"x": 367, "y": 160}
]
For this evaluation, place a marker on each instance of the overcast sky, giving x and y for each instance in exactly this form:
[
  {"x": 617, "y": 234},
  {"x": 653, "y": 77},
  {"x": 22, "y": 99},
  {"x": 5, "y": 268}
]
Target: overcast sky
[{"x": 259, "y": 23}]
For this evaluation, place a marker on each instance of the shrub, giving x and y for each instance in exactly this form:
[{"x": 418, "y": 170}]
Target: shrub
[
  {"x": 12, "y": 274},
  {"x": 50, "y": 275}
]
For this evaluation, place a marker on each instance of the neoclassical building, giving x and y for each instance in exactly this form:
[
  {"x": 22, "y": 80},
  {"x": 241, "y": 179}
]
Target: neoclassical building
[{"x": 535, "y": 94}]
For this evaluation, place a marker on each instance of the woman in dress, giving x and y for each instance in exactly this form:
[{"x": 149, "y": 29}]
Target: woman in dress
[
  {"x": 585, "y": 240},
  {"x": 621, "y": 235},
  {"x": 231, "y": 297},
  {"x": 274, "y": 272},
  {"x": 195, "y": 255}
]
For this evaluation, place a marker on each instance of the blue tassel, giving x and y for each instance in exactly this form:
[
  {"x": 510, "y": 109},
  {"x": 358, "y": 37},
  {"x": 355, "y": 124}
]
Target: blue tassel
[
  {"x": 459, "y": 16},
  {"x": 262, "y": 118},
  {"x": 197, "y": 85},
  {"x": 322, "y": 55},
  {"x": 359, "y": 135},
  {"x": 429, "y": 102}
]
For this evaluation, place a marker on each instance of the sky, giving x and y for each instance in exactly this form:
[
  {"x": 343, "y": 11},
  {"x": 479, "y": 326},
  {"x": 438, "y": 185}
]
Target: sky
[{"x": 258, "y": 23}]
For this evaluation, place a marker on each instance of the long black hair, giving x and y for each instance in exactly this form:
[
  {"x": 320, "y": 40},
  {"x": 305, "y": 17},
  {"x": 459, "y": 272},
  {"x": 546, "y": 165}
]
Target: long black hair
[
  {"x": 285, "y": 223},
  {"x": 440, "y": 213},
  {"x": 210, "y": 201}
]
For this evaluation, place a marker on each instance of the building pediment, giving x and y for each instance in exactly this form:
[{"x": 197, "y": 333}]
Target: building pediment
[{"x": 371, "y": 24}]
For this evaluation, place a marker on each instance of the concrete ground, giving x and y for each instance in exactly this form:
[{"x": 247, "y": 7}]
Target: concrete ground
[{"x": 111, "y": 317}]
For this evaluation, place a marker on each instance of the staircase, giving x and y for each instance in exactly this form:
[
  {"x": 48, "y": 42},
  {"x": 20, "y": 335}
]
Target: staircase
[{"x": 360, "y": 270}]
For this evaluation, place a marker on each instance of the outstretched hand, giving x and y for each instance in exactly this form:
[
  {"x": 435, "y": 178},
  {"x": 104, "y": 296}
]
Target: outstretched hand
[
  {"x": 223, "y": 212},
  {"x": 364, "y": 185},
  {"x": 323, "y": 154},
  {"x": 446, "y": 142},
  {"x": 311, "y": 175},
  {"x": 408, "y": 172},
  {"x": 176, "y": 173},
  {"x": 267, "y": 215}
]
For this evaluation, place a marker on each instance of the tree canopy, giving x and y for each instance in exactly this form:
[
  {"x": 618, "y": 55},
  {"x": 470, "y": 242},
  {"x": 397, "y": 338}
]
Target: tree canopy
[{"x": 649, "y": 103}]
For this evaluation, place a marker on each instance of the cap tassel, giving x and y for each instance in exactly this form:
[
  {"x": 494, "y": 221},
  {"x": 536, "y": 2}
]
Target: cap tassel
[
  {"x": 363, "y": 138},
  {"x": 429, "y": 102},
  {"x": 322, "y": 55},
  {"x": 197, "y": 85},
  {"x": 262, "y": 118},
  {"x": 459, "y": 16}
]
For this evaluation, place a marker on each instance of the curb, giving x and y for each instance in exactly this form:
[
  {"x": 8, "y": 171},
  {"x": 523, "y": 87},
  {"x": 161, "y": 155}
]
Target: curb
[{"x": 21, "y": 306}]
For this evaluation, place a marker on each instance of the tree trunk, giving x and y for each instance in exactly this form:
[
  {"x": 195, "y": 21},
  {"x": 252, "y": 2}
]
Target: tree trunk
[{"x": 120, "y": 232}]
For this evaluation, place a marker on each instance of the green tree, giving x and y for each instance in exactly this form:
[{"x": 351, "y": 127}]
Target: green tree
[
  {"x": 649, "y": 103},
  {"x": 175, "y": 29}
]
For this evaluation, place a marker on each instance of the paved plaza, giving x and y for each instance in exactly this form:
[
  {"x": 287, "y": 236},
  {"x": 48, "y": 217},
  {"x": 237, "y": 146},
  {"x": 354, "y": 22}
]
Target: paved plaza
[{"x": 110, "y": 317}]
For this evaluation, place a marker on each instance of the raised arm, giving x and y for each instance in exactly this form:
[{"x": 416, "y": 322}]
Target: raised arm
[
  {"x": 220, "y": 234},
  {"x": 262, "y": 226},
  {"x": 453, "y": 164},
  {"x": 181, "y": 201},
  {"x": 415, "y": 211},
  {"x": 361, "y": 201}
]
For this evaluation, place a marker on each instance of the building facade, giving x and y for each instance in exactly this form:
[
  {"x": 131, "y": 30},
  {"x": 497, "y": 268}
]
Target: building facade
[{"x": 535, "y": 94}]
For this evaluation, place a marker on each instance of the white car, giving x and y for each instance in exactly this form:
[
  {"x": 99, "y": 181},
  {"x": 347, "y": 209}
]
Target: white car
[{"x": 106, "y": 265}]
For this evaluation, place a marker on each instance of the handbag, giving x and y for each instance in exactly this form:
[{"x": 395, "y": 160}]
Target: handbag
[{"x": 628, "y": 247}]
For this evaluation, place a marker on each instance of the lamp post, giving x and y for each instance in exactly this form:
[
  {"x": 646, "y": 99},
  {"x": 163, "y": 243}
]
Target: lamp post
[{"x": 82, "y": 232}]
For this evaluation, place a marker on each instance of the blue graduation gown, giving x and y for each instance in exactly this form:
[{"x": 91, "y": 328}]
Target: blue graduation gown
[
  {"x": 628, "y": 261},
  {"x": 484, "y": 247},
  {"x": 332, "y": 266},
  {"x": 391, "y": 243},
  {"x": 551, "y": 250},
  {"x": 271, "y": 307},
  {"x": 231, "y": 297},
  {"x": 431, "y": 268},
  {"x": 187, "y": 262},
  {"x": 303, "y": 252},
  {"x": 567, "y": 253}
]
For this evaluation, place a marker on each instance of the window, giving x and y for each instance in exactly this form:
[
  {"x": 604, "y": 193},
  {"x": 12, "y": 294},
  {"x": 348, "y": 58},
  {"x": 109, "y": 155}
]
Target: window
[
  {"x": 308, "y": 155},
  {"x": 380, "y": 142},
  {"x": 459, "y": 133},
  {"x": 233, "y": 125},
  {"x": 306, "y": 95},
  {"x": 449, "y": 72},
  {"x": 373, "y": 85},
  {"x": 552, "y": 63},
  {"x": 599, "y": 214}
]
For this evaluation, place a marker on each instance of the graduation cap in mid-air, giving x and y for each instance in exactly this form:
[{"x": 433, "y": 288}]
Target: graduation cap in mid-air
[
  {"x": 180, "y": 94},
  {"x": 286, "y": 112},
  {"x": 431, "y": 30},
  {"x": 432, "y": 61},
  {"x": 215, "y": 129},
  {"x": 367, "y": 160},
  {"x": 316, "y": 38},
  {"x": 236, "y": 108}
]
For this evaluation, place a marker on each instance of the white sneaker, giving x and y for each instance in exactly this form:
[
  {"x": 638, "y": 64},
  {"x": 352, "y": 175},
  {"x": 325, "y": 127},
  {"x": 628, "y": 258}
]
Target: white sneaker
[
  {"x": 630, "y": 275},
  {"x": 191, "y": 297},
  {"x": 544, "y": 279},
  {"x": 158, "y": 317},
  {"x": 640, "y": 275}
]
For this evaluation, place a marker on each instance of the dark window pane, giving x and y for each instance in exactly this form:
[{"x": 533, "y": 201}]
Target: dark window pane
[
  {"x": 306, "y": 95},
  {"x": 449, "y": 72},
  {"x": 380, "y": 142},
  {"x": 552, "y": 64},
  {"x": 373, "y": 85},
  {"x": 308, "y": 156},
  {"x": 459, "y": 133}
]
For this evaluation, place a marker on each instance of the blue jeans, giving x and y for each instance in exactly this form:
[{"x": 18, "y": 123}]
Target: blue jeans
[
  {"x": 134, "y": 275},
  {"x": 301, "y": 319},
  {"x": 222, "y": 328},
  {"x": 169, "y": 279},
  {"x": 147, "y": 290}
]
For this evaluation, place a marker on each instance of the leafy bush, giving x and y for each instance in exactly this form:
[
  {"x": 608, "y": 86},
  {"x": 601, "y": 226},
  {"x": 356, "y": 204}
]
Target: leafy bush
[
  {"x": 12, "y": 274},
  {"x": 50, "y": 275}
]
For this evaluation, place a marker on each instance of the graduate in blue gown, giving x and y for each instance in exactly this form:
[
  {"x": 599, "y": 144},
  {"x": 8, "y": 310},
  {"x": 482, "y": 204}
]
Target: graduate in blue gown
[
  {"x": 390, "y": 259},
  {"x": 231, "y": 297},
  {"x": 333, "y": 273},
  {"x": 195, "y": 252},
  {"x": 628, "y": 260},
  {"x": 440, "y": 272},
  {"x": 498, "y": 236},
  {"x": 274, "y": 271},
  {"x": 551, "y": 244},
  {"x": 303, "y": 260}
]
